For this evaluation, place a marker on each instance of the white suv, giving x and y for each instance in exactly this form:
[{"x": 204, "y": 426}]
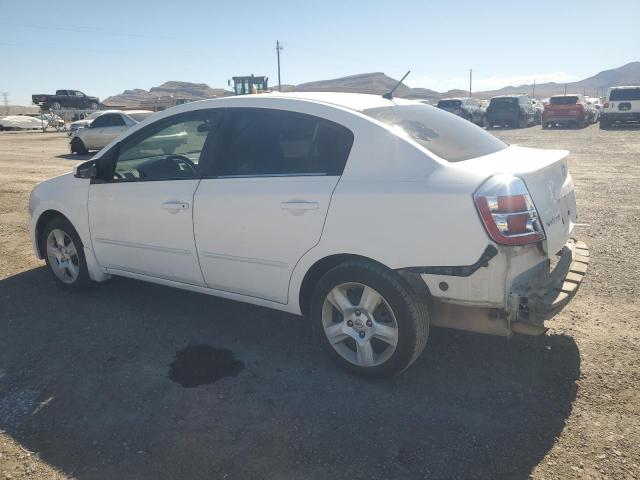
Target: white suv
[
  {"x": 622, "y": 106},
  {"x": 372, "y": 217}
]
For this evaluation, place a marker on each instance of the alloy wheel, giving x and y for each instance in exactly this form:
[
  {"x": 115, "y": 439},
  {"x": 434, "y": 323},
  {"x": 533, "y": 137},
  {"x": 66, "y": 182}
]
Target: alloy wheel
[
  {"x": 63, "y": 256},
  {"x": 359, "y": 324}
]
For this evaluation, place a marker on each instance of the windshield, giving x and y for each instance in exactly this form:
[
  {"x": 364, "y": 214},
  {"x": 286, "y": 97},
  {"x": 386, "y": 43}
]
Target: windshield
[
  {"x": 624, "y": 94},
  {"x": 449, "y": 103},
  {"x": 139, "y": 116},
  {"x": 94, "y": 115},
  {"x": 448, "y": 136},
  {"x": 564, "y": 100}
]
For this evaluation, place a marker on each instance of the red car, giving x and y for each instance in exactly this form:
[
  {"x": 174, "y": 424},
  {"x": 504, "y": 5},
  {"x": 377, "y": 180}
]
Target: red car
[{"x": 566, "y": 110}]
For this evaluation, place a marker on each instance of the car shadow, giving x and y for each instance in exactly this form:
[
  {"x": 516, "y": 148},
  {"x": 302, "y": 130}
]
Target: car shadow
[
  {"x": 76, "y": 156},
  {"x": 84, "y": 382}
]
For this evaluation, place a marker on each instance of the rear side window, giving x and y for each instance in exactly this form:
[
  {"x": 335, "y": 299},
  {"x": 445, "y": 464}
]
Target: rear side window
[
  {"x": 276, "y": 142},
  {"x": 624, "y": 94},
  {"x": 448, "y": 136},
  {"x": 564, "y": 100}
]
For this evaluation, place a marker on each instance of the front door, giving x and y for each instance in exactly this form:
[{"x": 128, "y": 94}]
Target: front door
[
  {"x": 141, "y": 217},
  {"x": 264, "y": 203}
]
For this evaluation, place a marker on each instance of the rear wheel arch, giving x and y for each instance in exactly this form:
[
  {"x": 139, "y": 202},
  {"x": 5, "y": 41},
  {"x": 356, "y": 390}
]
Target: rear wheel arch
[{"x": 323, "y": 265}]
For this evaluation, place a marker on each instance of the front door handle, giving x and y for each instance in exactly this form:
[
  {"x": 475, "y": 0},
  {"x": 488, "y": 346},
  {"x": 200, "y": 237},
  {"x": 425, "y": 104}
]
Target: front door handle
[
  {"x": 175, "y": 206},
  {"x": 299, "y": 205}
]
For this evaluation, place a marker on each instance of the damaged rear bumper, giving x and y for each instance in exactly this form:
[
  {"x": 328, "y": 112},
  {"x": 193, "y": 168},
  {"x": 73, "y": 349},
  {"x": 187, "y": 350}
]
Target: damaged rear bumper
[{"x": 531, "y": 304}]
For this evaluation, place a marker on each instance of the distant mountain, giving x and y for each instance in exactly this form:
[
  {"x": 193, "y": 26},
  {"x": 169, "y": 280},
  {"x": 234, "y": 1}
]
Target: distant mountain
[
  {"x": 628, "y": 74},
  {"x": 378, "y": 83},
  {"x": 183, "y": 90}
]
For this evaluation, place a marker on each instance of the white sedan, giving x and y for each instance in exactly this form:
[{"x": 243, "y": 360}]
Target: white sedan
[
  {"x": 106, "y": 126},
  {"x": 374, "y": 218}
]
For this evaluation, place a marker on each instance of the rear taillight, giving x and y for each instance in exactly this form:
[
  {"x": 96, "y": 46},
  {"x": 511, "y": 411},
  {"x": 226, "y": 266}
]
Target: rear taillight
[
  {"x": 507, "y": 211},
  {"x": 606, "y": 105}
]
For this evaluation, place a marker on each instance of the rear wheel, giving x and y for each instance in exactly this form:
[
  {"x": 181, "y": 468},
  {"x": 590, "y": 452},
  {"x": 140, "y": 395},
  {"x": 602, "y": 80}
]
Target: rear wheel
[
  {"x": 56, "y": 106},
  {"x": 64, "y": 254},
  {"x": 368, "y": 319},
  {"x": 523, "y": 123},
  {"x": 604, "y": 124},
  {"x": 77, "y": 146}
]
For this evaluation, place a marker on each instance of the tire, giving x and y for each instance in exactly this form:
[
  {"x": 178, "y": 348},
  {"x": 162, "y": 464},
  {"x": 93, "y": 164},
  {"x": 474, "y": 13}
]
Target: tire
[
  {"x": 401, "y": 318},
  {"x": 604, "y": 124},
  {"x": 56, "y": 106},
  {"x": 523, "y": 123},
  {"x": 77, "y": 146},
  {"x": 546, "y": 126},
  {"x": 64, "y": 253}
]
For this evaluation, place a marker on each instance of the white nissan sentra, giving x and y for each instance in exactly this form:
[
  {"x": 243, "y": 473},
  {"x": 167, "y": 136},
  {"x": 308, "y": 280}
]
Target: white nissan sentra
[{"x": 374, "y": 218}]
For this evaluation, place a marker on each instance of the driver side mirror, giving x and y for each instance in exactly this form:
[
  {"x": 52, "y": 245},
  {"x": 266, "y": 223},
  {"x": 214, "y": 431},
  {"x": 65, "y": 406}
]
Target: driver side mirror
[{"x": 87, "y": 169}]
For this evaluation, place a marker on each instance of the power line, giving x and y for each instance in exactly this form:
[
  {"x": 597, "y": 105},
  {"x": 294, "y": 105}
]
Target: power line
[{"x": 78, "y": 29}]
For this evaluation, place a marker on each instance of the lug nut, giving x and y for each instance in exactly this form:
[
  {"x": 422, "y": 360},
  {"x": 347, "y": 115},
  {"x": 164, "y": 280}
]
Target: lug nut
[
  {"x": 349, "y": 323},
  {"x": 369, "y": 323},
  {"x": 362, "y": 334},
  {"x": 358, "y": 312}
]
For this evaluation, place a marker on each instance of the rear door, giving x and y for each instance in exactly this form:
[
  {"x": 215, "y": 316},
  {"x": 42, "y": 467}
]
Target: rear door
[{"x": 264, "y": 202}]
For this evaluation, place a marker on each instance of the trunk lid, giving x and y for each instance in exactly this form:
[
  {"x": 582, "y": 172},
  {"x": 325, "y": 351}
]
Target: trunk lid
[{"x": 546, "y": 175}]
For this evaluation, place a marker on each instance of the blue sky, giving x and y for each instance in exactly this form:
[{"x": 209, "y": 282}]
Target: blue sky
[{"x": 104, "y": 47}]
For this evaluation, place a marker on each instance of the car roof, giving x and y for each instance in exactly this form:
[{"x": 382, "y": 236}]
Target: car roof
[
  {"x": 351, "y": 101},
  {"x": 454, "y": 98},
  {"x": 624, "y": 87},
  {"x": 567, "y": 95}
]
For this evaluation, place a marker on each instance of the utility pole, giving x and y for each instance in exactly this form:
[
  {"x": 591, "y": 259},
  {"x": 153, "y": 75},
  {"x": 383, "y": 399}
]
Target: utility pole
[
  {"x": 565, "y": 88},
  {"x": 470, "y": 80},
  {"x": 533, "y": 95},
  {"x": 5, "y": 96},
  {"x": 278, "y": 48}
]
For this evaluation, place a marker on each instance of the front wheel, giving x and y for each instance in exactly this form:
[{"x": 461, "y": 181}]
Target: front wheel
[
  {"x": 77, "y": 146},
  {"x": 56, "y": 106},
  {"x": 64, "y": 254},
  {"x": 371, "y": 322}
]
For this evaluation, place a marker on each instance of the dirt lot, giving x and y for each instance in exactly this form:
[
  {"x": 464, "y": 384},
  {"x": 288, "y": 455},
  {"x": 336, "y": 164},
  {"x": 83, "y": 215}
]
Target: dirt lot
[{"x": 85, "y": 390}]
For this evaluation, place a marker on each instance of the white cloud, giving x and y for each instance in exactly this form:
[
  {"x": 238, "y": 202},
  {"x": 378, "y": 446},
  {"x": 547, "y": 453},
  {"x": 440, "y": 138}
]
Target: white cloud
[{"x": 488, "y": 83}]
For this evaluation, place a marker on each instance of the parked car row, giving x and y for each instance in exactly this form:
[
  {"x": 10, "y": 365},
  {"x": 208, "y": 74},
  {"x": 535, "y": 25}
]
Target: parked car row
[{"x": 574, "y": 110}]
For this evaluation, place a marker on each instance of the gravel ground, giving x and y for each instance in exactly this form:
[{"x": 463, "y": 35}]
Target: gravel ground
[{"x": 85, "y": 390}]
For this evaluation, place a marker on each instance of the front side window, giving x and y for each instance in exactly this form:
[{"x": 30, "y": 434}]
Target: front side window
[
  {"x": 448, "y": 136},
  {"x": 261, "y": 142},
  {"x": 170, "y": 149}
]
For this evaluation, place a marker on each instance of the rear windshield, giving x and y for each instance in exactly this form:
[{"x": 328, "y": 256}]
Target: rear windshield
[
  {"x": 624, "y": 94},
  {"x": 447, "y": 136},
  {"x": 503, "y": 102},
  {"x": 563, "y": 100},
  {"x": 449, "y": 103}
]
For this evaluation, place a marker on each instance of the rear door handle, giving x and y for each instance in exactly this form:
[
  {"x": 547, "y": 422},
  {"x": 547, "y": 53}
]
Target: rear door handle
[
  {"x": 299, "y": 205},
  {"x": 175, "y": 206}
]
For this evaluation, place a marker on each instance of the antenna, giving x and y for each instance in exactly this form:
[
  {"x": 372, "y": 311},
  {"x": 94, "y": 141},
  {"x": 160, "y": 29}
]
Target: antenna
[{"x": 389, "y": 94}]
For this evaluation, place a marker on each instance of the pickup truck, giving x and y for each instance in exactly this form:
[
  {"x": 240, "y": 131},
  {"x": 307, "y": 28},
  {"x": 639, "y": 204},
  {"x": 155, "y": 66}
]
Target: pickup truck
[{"x": 65, "y": 99}]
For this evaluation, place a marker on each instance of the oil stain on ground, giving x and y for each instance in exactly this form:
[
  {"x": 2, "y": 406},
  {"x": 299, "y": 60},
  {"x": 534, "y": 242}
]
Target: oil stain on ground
[{"x": 202, "y": 364}]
